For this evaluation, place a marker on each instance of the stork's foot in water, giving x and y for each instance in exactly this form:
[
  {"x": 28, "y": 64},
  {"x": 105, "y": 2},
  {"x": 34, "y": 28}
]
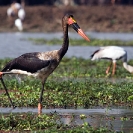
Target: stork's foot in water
[
  {"x": 13, "y": 107},
  {"x": 39, "y": 108}
]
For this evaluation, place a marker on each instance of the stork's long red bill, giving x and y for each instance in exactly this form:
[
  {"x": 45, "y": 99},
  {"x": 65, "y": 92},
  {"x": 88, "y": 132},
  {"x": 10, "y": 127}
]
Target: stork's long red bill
[
  {"x": 80, "y": 32},
  {"x": 72, "y": 21}
]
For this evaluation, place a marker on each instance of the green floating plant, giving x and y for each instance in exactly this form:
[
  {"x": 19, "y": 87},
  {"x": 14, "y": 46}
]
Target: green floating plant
[
  {"x": 81, "y": 42},
  {"x": 76, "y": 83}
]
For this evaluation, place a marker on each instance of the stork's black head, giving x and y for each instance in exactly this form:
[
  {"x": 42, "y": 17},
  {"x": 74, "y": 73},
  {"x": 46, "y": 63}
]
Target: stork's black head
[{"x": 69, "y": 19}]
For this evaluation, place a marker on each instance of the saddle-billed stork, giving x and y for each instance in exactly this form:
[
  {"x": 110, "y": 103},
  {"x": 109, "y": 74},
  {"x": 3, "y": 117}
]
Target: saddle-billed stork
[
  {"x": 42, "y": 64},
  {"x": 112, "y": 53}
]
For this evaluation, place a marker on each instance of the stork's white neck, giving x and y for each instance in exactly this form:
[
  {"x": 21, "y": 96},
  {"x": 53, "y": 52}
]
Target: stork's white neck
[{"x": 128, "y": 67}]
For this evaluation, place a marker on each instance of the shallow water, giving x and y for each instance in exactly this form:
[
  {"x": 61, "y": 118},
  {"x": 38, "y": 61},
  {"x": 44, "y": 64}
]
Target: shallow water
[
  {"x": 14, "y": 44},
  {"x": 111, "y": 36},
  {"x": 112, "y": 118}
]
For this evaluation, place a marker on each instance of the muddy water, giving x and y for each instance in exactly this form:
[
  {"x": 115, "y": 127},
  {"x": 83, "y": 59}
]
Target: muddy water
[
  {"x": 118, "y": 119},
  {"x": 15, "y": 44}
]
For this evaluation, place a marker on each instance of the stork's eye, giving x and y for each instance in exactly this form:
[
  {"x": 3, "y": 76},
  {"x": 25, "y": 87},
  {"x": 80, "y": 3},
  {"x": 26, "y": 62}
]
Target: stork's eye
[{"x": 71, "y": 16}]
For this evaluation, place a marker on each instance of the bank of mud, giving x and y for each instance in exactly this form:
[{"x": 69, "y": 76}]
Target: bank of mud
[{"x": 90, "y": 18}]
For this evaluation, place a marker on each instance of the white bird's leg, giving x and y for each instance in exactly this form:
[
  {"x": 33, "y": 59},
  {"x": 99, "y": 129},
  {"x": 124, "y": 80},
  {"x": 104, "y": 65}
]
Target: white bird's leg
[
  {"x": 40, "y": 99},
  {"x": 114, "y": 68},
  {"x": 108, "y": 68}
]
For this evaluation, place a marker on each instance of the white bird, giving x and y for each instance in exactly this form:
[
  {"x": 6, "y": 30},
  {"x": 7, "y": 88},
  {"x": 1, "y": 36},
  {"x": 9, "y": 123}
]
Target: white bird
[
  {"x": 10, "y": 12},
  {"x": 19, "y": 24},
  {"x": 21, "y": 14},
  {"x": 42, "y": 64},
  {"x": 18, "y": 10},
  {"x": 112, "y": 53},
  {"x": 13, "y": 9},
  {"x": 19, "y": 21},
  {"x": 16, "y": 6}
]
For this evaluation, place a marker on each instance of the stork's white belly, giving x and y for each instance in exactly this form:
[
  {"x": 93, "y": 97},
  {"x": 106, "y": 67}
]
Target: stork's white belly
[
  {"x": 15, "y": 71},
  {"x": 36, "y": 74}
]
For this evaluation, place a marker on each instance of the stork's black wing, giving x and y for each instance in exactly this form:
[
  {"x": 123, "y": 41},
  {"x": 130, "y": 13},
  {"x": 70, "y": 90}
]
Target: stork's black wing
[{"x": 27, "y": 62}]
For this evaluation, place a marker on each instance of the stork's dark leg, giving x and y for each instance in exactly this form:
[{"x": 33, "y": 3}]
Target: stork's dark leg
[
  {"x": 40, "y": 99},
  {"x": 7, "y": 92},
  {"x": 108, "y": 68}
]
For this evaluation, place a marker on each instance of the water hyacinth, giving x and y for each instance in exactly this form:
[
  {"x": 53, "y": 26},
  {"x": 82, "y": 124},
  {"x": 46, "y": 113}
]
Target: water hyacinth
[
  {"x": 77, "y": 83},
  {"x": 75, "y": 86}
]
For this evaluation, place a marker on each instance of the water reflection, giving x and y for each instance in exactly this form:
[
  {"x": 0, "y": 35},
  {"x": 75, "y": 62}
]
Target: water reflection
[
  {"x": 118, "y": 119},
  {"x": 16, "y": 44}
]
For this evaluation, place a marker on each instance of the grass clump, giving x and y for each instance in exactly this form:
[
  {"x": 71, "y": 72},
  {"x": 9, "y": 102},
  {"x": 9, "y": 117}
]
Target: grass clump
[
  {"x": 28, "y": 122},
  {"x": 81, "y": 42}
]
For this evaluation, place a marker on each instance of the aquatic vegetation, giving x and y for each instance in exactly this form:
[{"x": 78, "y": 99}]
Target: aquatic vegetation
[
  {"x": 82, "y": 84},
  {"x": 43, "y": 123},
  {"x": 81, "y": 42},
  {"x": 76, "y": 83}
]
